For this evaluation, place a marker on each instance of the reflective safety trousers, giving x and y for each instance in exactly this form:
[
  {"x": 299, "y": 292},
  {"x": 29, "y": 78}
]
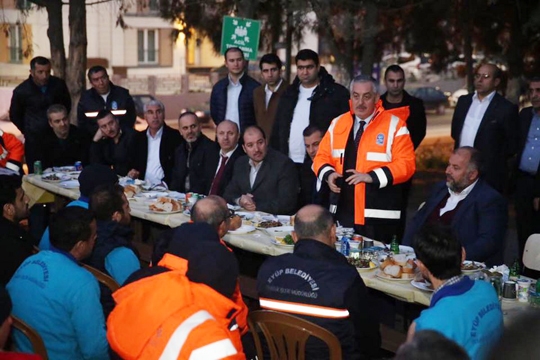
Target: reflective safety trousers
[
  {"x": 385, "y": 152},
  {"x": 167, "y": 317}
]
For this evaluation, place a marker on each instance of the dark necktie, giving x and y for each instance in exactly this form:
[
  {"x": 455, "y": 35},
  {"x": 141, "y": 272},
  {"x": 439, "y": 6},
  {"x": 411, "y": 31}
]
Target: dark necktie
[
  {"x": 359, "y": 133},
  {"x": 219, "y": 175}
]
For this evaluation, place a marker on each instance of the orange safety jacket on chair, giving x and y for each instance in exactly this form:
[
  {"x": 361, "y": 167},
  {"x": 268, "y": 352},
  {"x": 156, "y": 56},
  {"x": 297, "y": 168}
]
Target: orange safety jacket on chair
[
  {"x": 11, "y": 151},
  {"x": 385, "y": 152},
  {"x": 168, "y": 317}
]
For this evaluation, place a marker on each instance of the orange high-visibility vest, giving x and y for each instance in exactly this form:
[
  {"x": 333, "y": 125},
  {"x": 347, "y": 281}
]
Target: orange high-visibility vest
[
  {"x": 11, "y": 151},
  {"x": 385, "y": 152},
  {"x": 167, "y": 317}
]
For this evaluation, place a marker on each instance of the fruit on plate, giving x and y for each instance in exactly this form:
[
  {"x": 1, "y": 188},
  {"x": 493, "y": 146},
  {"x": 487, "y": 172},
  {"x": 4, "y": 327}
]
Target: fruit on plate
[{"x": 164, "y": 204}]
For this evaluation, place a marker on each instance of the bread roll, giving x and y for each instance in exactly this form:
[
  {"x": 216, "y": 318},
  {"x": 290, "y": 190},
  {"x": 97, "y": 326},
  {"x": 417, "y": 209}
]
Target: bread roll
[
  {"x": 394, "y": 271},
  {"x": 386, "y": 263},
  {"x": 400, "y": 259}
]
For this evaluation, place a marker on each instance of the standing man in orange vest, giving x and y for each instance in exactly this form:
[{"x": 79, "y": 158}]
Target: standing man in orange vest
[{"x": 363, "y": 156}]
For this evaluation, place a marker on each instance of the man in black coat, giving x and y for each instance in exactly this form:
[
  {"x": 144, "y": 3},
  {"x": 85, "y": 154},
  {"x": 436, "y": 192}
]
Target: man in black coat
[
  {"x": 30, "y": 101},
  {"x": 527, "y": 179},
  {"x": 17, "y": 244},
  {"x": 314, "y": 98},
  {"x": 488, "y": 122},
  {"x": 104, "y": 95},
  {"x": 63, "y": 143},
  {"x": 191, "y": 171},
  {"x": 396, "y": 97},
  {"x": 111, "y": 145},
  {"x": 152, "y": 153},
  {"x": 232, "y": 97},
  {"x": 227, "y": 135},
  {"x": 264, "y": 179}
]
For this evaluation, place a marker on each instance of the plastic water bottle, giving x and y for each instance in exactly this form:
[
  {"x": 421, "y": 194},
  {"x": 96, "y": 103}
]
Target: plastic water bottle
[{"x": 345, "y": 246}]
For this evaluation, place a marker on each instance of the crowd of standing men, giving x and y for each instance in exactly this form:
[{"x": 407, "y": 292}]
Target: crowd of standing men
[{"x": 311, "y": 145}]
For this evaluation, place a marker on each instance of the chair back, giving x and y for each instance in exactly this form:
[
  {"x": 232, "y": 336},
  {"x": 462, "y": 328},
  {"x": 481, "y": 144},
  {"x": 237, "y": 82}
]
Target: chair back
[
  {"x": 103, "y": 278},
  {"x": 35, "y": 339},
  {"x": 286, "y": 335},
  {"x": 531, "y": 254}
]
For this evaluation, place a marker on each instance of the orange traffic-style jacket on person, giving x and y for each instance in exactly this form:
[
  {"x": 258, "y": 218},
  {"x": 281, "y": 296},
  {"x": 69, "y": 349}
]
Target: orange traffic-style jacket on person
[
  {"x": 166, "y": 316},
  {"x": 11, "y": 151},
  {"x": 385, "y": 152}
]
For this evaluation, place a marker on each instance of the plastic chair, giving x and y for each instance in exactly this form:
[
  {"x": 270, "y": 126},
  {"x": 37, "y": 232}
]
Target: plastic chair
[
  {"x": 103, "y": 278},
  {"x": 35, "y": 339},
  {"x": 287, "y": 335},
  {"x": 531, "y": 253}
]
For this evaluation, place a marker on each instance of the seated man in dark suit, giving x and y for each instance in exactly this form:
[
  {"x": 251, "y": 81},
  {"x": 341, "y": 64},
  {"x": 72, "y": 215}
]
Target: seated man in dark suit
[
  {"x": 63, "y": 143},
  {"x": 477, "y": 213},
  {"x": 312, "y": 191},
  {"x": 111, "y": 144},
  {"x": 317, "y": 283},
  {"x": 191, "y": 171},
  {"x": 222, "y": 167},
  {"x": 152, "y": 154},
  {"x": 264, "y": 180}
]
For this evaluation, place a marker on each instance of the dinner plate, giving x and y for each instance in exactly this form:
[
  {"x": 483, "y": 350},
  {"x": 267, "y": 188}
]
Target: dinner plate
[
  {"x": 152, "y": 194},
  {"x": 280, "y": 244},
  {"x": 165, "y": 212},
  {"x": 245, "y": 215},
  {"x": 381, "y": 275},
  {"x": 70, "y": 184},
  {"x": 244, "y": 229},
  {"x": 481, "y": 266},
  {"x": 279, "y": 230},
  {"x": 64, "y": 168},
  {"x": 74, "y": 174},
  {"x": 422, "y": 285},
  {"x": 60, "y": 177}
]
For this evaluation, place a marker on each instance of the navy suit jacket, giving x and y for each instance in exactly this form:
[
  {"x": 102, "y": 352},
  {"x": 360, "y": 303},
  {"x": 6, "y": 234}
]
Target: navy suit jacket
[
  {"x": 496, "y": 136},
  {"x": 479, "y": 222},
  {"x": 525, "y": 118}
]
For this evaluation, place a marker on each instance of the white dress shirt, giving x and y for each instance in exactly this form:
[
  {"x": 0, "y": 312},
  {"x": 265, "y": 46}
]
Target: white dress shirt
[
  {"x": 233, "y": 93},
  {"x": 221, "y": 154},
  {"x": 269, "y": 92},
  {"x": 455, "y": 198},
  {"x": 254, "y": 169},
  {"x": 357, "y": 120},
  {"x": 473, "y": 119},
  {"x": 300, "y": 120},
  {"x": 154, "y": 172}
]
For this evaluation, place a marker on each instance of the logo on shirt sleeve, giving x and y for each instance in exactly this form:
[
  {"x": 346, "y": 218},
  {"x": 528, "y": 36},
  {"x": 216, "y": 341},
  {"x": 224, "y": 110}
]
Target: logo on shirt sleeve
[{"x": 380, "y": 139}]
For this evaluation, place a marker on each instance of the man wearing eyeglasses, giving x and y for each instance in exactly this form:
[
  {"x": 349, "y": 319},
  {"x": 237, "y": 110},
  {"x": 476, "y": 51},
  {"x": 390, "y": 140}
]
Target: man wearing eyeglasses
[
  {"x": 314, "y": 98},
  {"x": 488, "y": 122}
]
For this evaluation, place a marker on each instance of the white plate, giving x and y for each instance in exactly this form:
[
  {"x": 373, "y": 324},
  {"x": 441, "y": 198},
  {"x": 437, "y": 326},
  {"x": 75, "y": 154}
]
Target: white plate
[
  {"x": 64, "y": 168},
  {"x": 61, "y": 177},
  {"x": 70, "y": 184},
  {"x": 176, "y": 195},
  {"x": 245, "y": 215},
  {"x": 404, "y": 249},
  {"x": 74, "y": 174},
  {"x": 481, "y": 265},
  {"x": 421, "y": 285},
  {"x": 165, "y": 212},
  {"x": 244, "y": 229},
  {"x": 279, "y": 230},
  {"x": 152, "y": 194},
  {"x": 381, "y": 275},
  {"x": 280, "y": 244}
]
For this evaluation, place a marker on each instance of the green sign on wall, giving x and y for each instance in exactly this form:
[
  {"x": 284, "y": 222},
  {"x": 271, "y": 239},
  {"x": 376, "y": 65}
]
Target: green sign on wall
[{"x": 241, "y": 33}]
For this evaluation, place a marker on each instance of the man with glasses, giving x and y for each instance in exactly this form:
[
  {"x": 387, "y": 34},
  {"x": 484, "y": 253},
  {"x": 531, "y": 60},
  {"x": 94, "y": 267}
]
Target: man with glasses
[
  {"x": 488, "y": 122},
  {"x": 314, "y": 98},
  {"x": 365, "y": 153}
]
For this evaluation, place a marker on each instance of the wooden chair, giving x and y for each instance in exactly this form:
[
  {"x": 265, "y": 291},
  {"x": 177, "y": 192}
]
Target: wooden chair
[
  {"x": 35, "y": 339},
  {"x": 531, "y": 253},
  {"x": 103, "y": 278},
  {"x": 286, "y": 335}
]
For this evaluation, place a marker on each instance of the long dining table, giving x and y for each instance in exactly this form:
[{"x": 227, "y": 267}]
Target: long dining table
[{"x": 257, "y": 241}]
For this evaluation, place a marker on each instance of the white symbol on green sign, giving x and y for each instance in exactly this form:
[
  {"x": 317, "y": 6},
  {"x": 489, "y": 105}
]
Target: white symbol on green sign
[{"x": 241, "y": 33}]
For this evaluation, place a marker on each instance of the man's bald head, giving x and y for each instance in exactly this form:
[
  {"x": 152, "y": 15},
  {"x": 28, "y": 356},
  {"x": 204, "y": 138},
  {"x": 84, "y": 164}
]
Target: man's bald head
[
  {"x": 212, "y": 210},
  {"x": 315, "y": 222}
]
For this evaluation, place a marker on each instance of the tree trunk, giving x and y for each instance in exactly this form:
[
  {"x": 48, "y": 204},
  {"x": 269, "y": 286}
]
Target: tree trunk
[
  {"x": 369, "y": 34},
  {"x": 515, "y": 58},
  {"x": 76, "y": 69},
  {"x": 467, "y": 42},
  {"x": 56, "y": 37}
]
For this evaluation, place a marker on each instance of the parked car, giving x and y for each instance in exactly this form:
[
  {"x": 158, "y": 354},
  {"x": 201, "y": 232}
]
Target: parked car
[
  {"x": 434, "y": 99},
  {"x": 140, "y": 100},
  {"x": 456, "y": 95}
]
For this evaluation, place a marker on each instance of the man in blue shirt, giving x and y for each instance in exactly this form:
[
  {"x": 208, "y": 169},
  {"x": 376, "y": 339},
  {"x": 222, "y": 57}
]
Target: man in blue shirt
[
  {"x": 90, "y": 178},
  {"x": 57, "y": 297},
  {"x": 462, "y": 309}
]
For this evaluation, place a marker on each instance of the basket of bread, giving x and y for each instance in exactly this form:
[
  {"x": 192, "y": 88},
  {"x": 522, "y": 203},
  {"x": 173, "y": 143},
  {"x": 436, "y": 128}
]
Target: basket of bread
[
  {"x": 164, "y": 205},
  {"x": 398, "y": 267}
]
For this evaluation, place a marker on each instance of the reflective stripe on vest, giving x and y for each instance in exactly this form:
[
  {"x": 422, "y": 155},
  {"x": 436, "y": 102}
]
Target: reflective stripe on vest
[
  {"x": 303, "y": 309},
  {"x": 382, "y": 214},
  {"x": 118, "y": 112},
  {"x": 178, "y": 338},
  {"x": 214, "y": 351}
]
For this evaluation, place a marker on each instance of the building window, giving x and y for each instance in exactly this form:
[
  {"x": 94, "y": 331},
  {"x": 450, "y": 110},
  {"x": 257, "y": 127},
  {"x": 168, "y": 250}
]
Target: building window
[
  {"x": 15, "y": 44},
  {"x": 148, "y": 46}
]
